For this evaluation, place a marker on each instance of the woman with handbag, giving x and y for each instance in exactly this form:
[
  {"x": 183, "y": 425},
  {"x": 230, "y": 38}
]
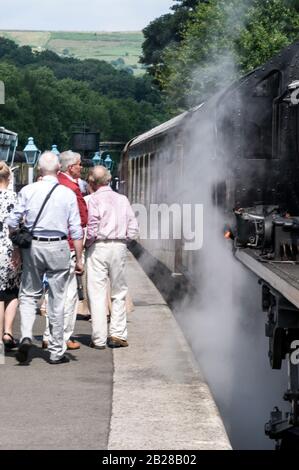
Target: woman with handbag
[{"x": 9, "y": 263}]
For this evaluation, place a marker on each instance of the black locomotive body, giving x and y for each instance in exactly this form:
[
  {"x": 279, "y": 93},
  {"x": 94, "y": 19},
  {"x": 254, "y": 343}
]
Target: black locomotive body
[
  {"x": 250, "y": 130},
  {"x": 239, "y": 151},
  {"x": 256, "y": 127}
]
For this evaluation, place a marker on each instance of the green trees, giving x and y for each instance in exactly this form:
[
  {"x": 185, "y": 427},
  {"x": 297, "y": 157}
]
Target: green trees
[
  {"x": 221, "y": 40},
  {"x": 46, "y": 94},
  {"x": 165, "y": 31},
  {"x": 159, "y": 34},
  {"x": 269, "y": 27}
]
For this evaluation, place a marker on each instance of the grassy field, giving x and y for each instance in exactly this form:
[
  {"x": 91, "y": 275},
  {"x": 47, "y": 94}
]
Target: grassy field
[{"x": 96, "y": 45}]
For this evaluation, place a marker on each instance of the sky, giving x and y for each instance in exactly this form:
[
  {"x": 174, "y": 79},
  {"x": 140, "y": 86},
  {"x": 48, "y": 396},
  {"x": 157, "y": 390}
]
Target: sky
[{"x": 80, "y": 15}]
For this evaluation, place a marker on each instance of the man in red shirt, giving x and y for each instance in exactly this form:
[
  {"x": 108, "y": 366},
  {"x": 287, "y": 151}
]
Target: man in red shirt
[{"x": 68, "y": 176}]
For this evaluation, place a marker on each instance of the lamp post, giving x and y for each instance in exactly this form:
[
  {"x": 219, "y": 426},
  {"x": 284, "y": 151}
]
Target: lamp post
[
  {"x": 55, "y": 150},
  {"x": 97, "y": 160},
  {"x": 108, "y": 162},
  {"x": 31, "y": 154}
]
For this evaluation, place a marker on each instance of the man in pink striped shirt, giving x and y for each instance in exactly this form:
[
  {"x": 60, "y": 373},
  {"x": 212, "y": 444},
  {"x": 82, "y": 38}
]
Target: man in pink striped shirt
[{"x": 111, "y": 223}]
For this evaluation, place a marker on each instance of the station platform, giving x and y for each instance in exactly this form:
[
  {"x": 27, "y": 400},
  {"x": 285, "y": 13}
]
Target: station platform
[{"x": 148, "y": 396}]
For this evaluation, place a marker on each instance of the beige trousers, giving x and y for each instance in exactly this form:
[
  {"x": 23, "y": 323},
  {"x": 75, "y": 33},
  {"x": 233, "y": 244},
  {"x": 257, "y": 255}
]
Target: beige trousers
[
  {"x": 70, "y": 304},
  {"x": 52, "y": 259},
  {"x": 106, "y": 260}
]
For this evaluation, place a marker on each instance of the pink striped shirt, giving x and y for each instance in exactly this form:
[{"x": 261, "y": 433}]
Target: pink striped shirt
[{"x": 110, "y": 217}]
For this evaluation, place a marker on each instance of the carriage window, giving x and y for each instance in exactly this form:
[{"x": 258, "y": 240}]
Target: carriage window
[
  {"x": 153, "y": 179},
  {"x": 133, "y": 180},
  {"x": 130, "y": 177},
  {"x": 137, "y": 183},
  {"x": 141, "y": 180},
  {"x": 146, "y": 179}
]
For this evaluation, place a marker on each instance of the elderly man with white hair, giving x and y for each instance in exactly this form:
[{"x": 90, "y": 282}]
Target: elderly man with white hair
[
  {"x": 48, "y": 254},
  {"x": 111, "y": 224}
]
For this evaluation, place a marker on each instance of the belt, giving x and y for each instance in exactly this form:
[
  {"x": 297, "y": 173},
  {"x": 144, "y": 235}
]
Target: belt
[
  {"x": 109, "y": 240},
  {"x": 50, "y": 239}
]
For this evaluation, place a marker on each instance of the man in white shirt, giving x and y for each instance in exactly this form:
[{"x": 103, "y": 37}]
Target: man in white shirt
[
  {"x": 70, "y": 170},
  {"x": 48, "y": 254}
]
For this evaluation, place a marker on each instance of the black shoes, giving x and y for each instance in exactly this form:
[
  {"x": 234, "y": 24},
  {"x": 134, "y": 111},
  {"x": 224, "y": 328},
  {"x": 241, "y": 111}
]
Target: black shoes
[
  {"x": 62, "y": 360},
  {"x": 23, "y": 351},
  {"x": 10, "y": 343}
]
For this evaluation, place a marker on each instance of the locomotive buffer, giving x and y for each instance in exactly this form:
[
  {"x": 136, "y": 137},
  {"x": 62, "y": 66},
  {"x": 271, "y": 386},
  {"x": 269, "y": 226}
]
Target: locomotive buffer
[{"x": 267, "y": 242}]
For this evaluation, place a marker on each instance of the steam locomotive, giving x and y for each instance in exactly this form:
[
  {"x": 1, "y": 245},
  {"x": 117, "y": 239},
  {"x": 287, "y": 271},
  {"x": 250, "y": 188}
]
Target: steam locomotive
[{"x": 247, "y": 136}]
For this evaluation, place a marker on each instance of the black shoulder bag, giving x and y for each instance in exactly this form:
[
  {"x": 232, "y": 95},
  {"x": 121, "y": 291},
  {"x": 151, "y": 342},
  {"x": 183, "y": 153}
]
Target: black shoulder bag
[{"x": 23, "y": 236}]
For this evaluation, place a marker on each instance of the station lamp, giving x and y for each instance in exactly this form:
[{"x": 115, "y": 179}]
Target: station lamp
[
  {"x": 31, "y": 154},
  {"x": 108, "y": 162},
  {"x": 55, "y": 150},
  {"x": 97, "y": 159}
]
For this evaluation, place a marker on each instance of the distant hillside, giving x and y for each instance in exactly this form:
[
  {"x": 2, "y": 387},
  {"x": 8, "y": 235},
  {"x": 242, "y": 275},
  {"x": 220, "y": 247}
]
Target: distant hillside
[{"x": 122, "y": 49}]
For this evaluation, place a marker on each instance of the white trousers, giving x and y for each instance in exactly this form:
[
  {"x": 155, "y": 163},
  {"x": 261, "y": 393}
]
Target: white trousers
[
  {"x": 107, "y": 260},
  {"x": 70, "y": 305}
]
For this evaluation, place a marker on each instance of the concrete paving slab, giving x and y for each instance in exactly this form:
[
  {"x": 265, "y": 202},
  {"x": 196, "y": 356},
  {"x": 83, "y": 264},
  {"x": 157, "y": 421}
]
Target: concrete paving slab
[
  {"x": 160, "y": 399},
  {"x": 65, "y": 406}
]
